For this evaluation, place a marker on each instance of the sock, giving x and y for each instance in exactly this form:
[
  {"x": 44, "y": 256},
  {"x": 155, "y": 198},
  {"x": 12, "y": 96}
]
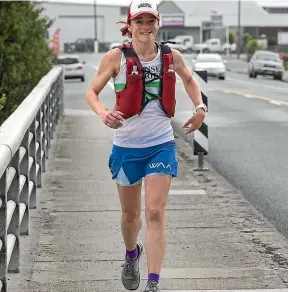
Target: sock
[
  {"x": 153, "y": 277},
  {"x": 132, "y": 254}
]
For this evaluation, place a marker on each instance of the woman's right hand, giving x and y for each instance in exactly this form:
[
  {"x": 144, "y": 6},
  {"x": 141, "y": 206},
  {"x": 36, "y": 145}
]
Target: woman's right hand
[{"x": 113, "y": 119}]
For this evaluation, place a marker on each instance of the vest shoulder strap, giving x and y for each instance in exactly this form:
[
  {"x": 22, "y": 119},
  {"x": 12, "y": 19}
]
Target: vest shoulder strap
[
  {"x": 167, "y": 58},
  {"x": 165, "y": 49},
  {"x": 131, "y": 58}
]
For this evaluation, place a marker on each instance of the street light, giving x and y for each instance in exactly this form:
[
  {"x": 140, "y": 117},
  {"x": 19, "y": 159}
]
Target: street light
[
  {"x": 95, "y": 27},
  {"x": 239, "y": 28}
]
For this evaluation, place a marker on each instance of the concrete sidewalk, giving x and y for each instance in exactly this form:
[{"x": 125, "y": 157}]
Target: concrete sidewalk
[{"x": 215, "y": 239}]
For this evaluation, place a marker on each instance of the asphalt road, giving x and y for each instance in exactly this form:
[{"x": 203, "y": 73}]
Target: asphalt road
[
  {"x": 248, "y": 126},
  {"x": 248, "y": 140}
]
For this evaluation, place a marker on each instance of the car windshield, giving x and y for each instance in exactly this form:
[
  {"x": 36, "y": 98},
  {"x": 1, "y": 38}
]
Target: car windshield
[
  {"x": 67, "y": 61},
  {"x": 206, "y": 59},
  {"x": 268, "y": 57}
]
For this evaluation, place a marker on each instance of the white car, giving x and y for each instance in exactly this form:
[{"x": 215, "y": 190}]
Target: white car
[
  {"x": 72, "y": 67},
  {"x": 116, "y": 44},
  {"x": 212, "y": 63}
]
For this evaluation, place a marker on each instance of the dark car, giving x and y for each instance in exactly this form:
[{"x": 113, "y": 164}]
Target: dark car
[{"x": 266, "y": 63}]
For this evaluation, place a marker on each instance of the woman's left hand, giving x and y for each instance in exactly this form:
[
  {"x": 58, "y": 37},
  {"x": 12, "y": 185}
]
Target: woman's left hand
[{"x": 195, "y": 122}]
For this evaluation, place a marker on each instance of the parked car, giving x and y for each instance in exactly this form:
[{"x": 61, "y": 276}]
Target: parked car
[
  {"x": 72, "y": 67},
  {"x": 212, "y": 63},
  {"x": 182, "y": 43},
  {"x": 266, "y": 63},
  {"x": 116, "y": 44}
]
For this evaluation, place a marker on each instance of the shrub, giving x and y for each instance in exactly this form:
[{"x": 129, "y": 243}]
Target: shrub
[{"x": 25, "y": 56}]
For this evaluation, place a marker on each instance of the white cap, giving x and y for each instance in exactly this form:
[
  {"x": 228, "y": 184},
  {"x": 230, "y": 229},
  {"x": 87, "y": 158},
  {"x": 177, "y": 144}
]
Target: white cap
[{"x": 138, "y": 7}]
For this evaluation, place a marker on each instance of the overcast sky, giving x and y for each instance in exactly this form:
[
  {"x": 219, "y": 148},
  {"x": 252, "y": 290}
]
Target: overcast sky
[{"x": 115, "y": 2}]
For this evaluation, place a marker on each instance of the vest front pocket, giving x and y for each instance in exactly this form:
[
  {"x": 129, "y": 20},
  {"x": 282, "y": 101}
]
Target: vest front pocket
[{"x": 129, "y": 100}]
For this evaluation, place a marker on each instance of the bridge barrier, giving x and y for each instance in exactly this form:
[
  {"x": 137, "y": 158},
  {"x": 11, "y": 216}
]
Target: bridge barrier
[{"x": 25, "y": 139}]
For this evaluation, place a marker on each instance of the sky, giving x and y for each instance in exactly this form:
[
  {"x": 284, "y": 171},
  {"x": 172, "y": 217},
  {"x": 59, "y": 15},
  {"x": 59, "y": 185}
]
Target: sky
[{"x": 115, "y": 2}]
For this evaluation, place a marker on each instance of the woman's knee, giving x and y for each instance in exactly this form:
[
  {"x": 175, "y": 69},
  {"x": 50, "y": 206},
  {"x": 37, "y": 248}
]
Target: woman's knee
[
  {"x": 155, "y": 213},
  {"x": 130, "y": 216}
]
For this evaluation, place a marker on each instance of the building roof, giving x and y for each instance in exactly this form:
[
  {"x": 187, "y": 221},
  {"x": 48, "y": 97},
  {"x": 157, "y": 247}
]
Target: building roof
[{"x": 251, "y": 13}]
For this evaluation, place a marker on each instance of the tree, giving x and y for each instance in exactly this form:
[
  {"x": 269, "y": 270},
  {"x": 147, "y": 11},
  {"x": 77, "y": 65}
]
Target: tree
[
  {"x": 232, "y": 37},
  {"x": 246, "y": 38},
  {"x": 25, "y": 56},
  {"x": 253, "y": 46}
]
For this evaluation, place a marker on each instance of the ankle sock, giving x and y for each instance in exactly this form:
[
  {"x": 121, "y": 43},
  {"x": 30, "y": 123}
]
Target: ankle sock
[
  {"x": 132, "y": 254},
  {"x": 153, "y": 277}
]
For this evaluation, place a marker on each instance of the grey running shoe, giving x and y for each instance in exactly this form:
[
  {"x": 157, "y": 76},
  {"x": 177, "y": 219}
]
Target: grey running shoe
[
  {"x": 152, "y": 286},
  {"x": 130, "y": 275}
]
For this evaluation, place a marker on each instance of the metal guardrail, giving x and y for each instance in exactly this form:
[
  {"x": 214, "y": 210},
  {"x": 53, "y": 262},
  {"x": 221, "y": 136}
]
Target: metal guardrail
[{"x": 25, "y": 139}]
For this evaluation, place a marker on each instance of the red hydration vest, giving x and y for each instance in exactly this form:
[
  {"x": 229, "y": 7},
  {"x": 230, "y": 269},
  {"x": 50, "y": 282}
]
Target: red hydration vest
[{"x": 132, "y": 99}]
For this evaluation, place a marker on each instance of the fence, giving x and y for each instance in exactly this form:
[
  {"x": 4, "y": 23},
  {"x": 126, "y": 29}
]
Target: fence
[{"x": 25, "y": 139}]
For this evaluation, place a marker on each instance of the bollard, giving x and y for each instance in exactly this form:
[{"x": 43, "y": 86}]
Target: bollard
[{"x": 201, "y": 135}]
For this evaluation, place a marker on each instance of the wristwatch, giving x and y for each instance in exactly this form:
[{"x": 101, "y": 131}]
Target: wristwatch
[{"x": 202, "y": 106}]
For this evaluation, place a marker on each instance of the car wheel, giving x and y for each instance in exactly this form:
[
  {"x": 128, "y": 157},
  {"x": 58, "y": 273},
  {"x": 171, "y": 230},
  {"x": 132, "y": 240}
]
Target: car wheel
[
  {"x": 222, "y": 77},
  {"x": 82, "y": 79},
  {"x": 278, "y": 77}
]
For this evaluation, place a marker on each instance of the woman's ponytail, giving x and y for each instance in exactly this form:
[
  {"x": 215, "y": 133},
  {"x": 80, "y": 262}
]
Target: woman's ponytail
[{"x": 125, "y": 31}]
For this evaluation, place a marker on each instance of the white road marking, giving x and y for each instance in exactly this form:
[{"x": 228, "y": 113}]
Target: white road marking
[
  {"x": 257, "y": 84},
  {"x": 184, "y": 192},
  {"x": 245, "y": 290},
  {"x": 275, "y": 102}
]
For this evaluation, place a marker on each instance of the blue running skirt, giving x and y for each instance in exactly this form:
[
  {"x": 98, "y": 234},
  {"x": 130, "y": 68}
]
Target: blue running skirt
[{"x": 130, "y": 165}]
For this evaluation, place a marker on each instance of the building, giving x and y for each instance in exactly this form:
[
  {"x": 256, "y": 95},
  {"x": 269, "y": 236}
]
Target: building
[{"x": 195, "y": 18}]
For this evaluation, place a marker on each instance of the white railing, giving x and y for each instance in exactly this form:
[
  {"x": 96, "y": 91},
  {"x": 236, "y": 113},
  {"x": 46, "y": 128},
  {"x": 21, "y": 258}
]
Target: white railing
[{"x": 24, "y": 147}]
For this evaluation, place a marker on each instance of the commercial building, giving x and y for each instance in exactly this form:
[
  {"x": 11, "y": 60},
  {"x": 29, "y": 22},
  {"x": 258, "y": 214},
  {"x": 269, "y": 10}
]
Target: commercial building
[{"x": 77, "y": 20}]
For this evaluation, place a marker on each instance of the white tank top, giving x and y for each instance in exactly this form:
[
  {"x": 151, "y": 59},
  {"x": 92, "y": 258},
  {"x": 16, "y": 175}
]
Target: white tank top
[{"x": 152, "y": 126}]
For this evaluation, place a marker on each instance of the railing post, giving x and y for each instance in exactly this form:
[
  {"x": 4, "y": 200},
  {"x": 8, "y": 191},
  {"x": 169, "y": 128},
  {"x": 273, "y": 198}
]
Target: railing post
[
  {"x": 61, "y": 95},
  {"x": 32, "y": 163},
  {"x": 44, "y": 135},
  {"x": 52, "y": 110},
  {"x": 3, "y": 231},
  {"x": 13, "y": 194},
  {"x": 47, "y": 121},
  {"x": 201, "y": 135},
  {"x": 24, "y": 195},
  {"x": 39, "y": 150}
]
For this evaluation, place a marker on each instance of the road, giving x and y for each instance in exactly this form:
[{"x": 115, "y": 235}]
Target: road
[
  {"x": 248, "y": 141},
  {"x": 247, "y": 135}
]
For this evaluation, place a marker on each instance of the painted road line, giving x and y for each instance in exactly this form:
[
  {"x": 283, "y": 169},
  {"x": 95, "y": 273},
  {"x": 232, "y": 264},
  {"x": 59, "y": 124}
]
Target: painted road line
[
  {"x": 257, "y": 84},
  {"x": 209, "y": 273},
  {"x": 185, "y": 192},
  {"x": 253, "y": 96},
  {"x": 274, "y": 102},
  {"x": 245, "y": 290}
]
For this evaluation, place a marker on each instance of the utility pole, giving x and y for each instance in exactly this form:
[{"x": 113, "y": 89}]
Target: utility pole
[
  {"x": 95, "y": 27},
  {"x": 239, "y": 28}
]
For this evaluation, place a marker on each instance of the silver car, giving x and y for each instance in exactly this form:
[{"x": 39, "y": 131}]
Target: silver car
[
  {"x": 212, "y": 63},
  {"x": 72, "y": 67},
  {"x": 266, "y": 63}
]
